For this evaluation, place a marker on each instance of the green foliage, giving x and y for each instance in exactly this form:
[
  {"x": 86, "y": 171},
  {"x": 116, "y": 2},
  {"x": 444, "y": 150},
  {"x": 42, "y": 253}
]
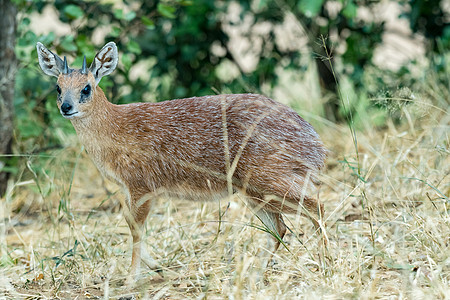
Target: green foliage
[
  {"x": 166, "y": 10},
  {"x": 310, "y": 8},
  {"x": 430, "y": 19},
  {"x": 73, "y": 11},
  {"x": 339, "y": 26}
]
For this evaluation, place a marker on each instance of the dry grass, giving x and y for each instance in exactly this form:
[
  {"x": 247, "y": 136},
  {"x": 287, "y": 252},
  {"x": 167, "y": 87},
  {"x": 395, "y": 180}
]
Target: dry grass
[{"x": 388, "y": 229}]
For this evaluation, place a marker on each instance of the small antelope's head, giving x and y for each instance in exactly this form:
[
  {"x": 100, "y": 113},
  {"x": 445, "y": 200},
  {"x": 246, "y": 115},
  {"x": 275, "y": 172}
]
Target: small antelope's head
[{"x": 76, "y": 87}]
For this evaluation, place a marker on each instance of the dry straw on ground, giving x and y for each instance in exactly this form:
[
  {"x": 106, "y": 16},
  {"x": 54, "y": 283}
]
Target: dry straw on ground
[{"x": 388, "y": 229}]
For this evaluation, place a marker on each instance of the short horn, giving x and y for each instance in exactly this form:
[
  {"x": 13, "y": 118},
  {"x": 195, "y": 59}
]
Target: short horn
[
  {"x": 65, "y": 67},
  {"x": 84, "y": 68}
]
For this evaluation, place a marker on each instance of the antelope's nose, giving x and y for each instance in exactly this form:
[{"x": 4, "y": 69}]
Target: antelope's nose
[{"x": 66, "y": 107}]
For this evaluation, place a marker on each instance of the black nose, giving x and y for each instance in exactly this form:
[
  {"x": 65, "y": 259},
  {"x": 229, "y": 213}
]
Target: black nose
[{"x": 66, "y": 107}]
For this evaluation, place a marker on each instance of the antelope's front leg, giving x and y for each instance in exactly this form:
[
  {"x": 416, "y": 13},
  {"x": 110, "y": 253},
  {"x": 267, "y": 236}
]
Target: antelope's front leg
[{"x": 136, "y": 212}]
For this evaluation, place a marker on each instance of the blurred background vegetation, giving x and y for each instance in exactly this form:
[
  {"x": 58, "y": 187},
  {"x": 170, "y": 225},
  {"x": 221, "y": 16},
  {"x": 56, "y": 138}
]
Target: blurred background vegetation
[{"x": 182, "y": 48}]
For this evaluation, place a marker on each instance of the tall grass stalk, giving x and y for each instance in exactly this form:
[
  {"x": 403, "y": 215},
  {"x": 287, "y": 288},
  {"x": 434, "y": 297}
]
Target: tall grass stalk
[{"x": 351, "y": 125}]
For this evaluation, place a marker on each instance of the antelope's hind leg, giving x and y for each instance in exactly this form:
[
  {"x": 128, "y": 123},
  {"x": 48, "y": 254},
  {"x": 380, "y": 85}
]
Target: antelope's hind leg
[
  {"x": 274, "y": 224},
  {"x": 314, "y": 210}
]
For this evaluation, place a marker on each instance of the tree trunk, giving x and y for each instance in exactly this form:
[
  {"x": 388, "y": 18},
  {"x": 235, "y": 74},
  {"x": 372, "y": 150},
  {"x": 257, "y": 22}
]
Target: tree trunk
[{"x": 8, "y": 67}]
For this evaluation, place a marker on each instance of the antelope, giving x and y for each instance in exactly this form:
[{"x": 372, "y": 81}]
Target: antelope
[{"x": 195, "y": 148}]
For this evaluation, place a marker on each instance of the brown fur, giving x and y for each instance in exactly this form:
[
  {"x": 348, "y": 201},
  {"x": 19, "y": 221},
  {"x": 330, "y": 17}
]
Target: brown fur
[{"x": 184, "y": 148}]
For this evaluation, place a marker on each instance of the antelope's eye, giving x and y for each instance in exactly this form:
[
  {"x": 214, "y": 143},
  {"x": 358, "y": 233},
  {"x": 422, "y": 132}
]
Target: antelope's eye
[
  {"x": 58, "y": 89},
  {"x": 87, "y": 90}
]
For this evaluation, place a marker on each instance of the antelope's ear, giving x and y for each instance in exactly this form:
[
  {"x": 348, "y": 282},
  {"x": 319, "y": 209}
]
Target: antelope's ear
[
  {"x": 50, "y": 63},
  {"x": 105, "y": 61}
]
